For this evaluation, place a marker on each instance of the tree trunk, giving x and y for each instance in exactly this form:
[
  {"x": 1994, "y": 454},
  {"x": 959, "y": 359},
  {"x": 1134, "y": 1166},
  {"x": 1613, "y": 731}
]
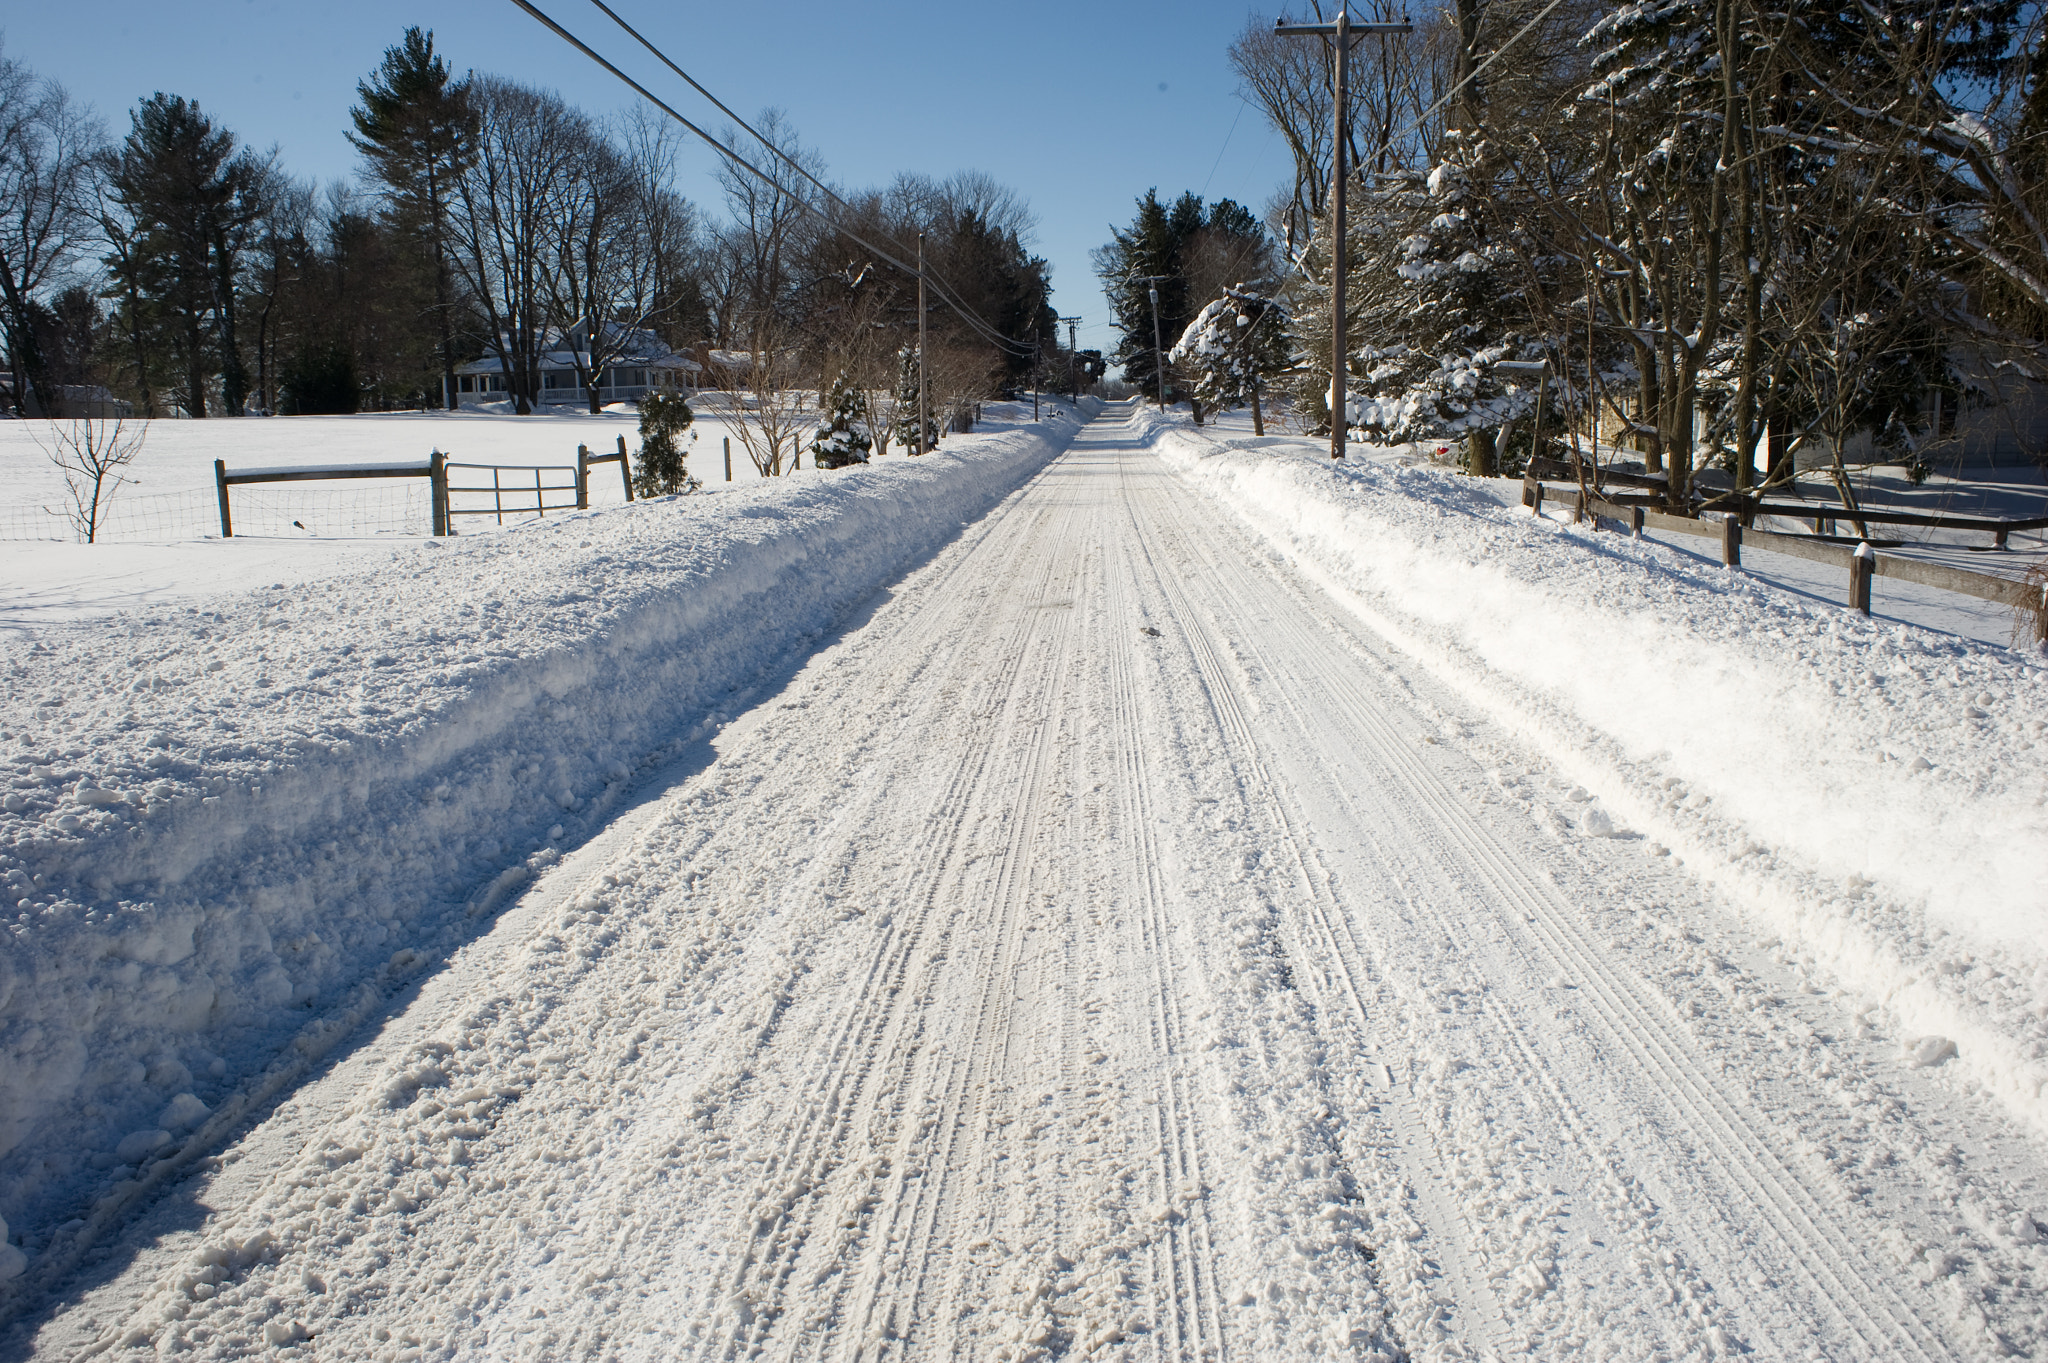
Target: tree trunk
[
  {"x": 1482, "y": 455},
  {"x": 1258, "y": 417},
  {"x": 31, "y": 373}
]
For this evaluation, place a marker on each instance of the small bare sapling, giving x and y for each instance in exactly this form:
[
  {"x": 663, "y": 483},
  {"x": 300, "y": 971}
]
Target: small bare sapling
[{"x": 92, "y": 452}]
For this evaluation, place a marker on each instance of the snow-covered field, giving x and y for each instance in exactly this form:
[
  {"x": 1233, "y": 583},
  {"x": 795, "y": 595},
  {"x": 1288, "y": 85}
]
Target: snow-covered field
[
  {"x": 156, "y": 550},
  {"x": 1212, "y": 905}
]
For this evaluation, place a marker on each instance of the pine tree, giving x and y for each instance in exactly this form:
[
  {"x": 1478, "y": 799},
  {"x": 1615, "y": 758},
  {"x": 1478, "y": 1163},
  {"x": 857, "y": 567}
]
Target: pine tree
[
  {"x": 1453, "y": 309},
  {"x": 664, "y": 416},
  {"x": 841, "y": 439},
  {"x": 907, "y": 405},
  {"x": 1233, "y": 349},
  {"x": 1188, "y": 252},
  {"x": 192, "y": 200},
  {"x": 1756, "y": 160},
  {"x": 418, "y": 130}
]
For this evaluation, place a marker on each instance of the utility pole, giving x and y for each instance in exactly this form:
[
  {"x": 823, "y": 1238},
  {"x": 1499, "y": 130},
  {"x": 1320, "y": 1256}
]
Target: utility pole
[
  {"x": 923, "y": 404},
  {"x": 1073, "y": 377},
  {"x": 1037, "y": 365},
  {"x": 1158, "y": 345},
  {"x": 1345, "y": 32}
]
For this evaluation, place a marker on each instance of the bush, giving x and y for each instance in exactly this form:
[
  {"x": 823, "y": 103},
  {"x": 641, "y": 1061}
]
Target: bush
[
  {"x": 841, "y": 439},
  {"x": 664, "y": 468}
]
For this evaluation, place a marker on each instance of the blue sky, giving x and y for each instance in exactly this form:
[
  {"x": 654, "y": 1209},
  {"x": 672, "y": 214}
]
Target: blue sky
[{"x": 1079, "y": 106}]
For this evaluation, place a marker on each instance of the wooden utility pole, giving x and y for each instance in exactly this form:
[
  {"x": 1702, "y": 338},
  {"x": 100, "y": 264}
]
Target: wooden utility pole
[
  {"x": 923, "y": 402},
  {"x": 1151, "y": 283},
  {"x": 1073, "y": 376},
  {"x": 1345, "y": 32}
]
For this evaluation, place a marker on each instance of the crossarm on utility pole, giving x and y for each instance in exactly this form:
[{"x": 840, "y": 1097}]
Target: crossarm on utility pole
[{"x": 1345, "y": 32}]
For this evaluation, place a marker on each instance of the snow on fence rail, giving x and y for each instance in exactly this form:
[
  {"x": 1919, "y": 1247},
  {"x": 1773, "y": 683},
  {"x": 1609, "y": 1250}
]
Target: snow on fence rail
[
  {"x": 436, "y": 473},
  {"x": 1821, "y": 514}
]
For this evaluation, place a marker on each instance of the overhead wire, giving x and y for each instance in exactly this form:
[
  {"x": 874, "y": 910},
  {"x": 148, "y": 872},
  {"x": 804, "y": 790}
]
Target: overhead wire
[
  {"x": 933, "y": 276},
  {"x": 966, "y": 314},
  {"x": 1300, "y": 262}
]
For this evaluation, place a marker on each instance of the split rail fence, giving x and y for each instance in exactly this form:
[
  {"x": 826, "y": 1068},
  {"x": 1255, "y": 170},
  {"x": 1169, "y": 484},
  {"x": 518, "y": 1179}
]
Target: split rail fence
[
  {"x": 1862, "y": 562},
  {"x": 525, "y": 499}
]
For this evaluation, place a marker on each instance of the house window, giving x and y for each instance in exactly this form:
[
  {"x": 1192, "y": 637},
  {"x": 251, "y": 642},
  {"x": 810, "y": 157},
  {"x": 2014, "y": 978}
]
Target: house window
[{"x": 554, "y": 378}]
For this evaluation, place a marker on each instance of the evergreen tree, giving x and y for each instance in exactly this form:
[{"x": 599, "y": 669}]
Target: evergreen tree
[
  {"x": 418, "y": 130},
  {"x": 664, "y": 415},
  {"x": 192, "y": 201},
  {"x": 841, "y": 439},
  {"x": 907, "y": 404},
  {"x": 1453, "y": 308},
  {"x": 1232, "y": 351},
  {"x": 1188, "y": 252},
  {"x": 1769, "y": 218}
]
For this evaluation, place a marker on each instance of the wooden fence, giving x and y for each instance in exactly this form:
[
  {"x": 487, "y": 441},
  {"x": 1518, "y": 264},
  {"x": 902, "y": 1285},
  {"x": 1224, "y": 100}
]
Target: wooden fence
[
  {"x": 435, "y": 471},
  {"x": 1862, "y": 562},
  {"x": 1649, "y": 491}
]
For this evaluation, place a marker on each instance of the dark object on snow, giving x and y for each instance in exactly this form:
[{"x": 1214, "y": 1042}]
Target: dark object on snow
[{"x": 1147, "y": 629}]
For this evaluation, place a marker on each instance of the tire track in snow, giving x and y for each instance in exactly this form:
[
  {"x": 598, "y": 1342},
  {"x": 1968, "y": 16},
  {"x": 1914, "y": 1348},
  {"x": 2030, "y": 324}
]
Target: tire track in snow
[
  {"x": 1840, "y": 1278},
  {"x": 1480, "y": 1314},
  {"x": 1184, "y": 1259},
  {"x": 955, "y": 1094},
  {"x": 836, "y": 1101}
]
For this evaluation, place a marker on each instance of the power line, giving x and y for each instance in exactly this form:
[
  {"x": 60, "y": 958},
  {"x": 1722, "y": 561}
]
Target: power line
[
  {"x": 965, "y": 314},
  {"x": 1225, "y": 147},
  {"x": 944, "y": 287}
]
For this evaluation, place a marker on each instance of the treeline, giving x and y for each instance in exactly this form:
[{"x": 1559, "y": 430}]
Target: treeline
[
  {"x": 185, "y": 271},
  {"x": 1739, "y": 233}
]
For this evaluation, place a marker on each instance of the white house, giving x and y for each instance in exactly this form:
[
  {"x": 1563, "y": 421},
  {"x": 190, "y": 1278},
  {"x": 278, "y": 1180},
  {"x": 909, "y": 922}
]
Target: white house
[{"x": 640, "y": 362}]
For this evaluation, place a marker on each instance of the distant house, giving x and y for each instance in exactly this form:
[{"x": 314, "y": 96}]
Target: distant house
[
  {"x": 73, "y": 400},
  {"x": 641, "y": 362}
]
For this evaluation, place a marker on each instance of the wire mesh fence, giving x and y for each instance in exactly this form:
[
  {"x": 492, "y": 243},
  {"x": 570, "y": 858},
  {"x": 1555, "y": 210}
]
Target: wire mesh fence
[{"x": 287, "y": 511}]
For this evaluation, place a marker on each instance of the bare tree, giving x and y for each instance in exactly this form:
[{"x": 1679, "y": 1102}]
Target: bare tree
[
  {"x": 92, "y": 452},
  {"x": 47, "y": 147},
  {"x": 505, "y": 204},
  {"x": 763, "y": 404}
]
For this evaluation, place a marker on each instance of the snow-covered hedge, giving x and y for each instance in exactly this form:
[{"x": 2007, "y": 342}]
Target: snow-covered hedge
[
  {"x": 223, "y": 824},
  {"x": 1876, "y": 794}
]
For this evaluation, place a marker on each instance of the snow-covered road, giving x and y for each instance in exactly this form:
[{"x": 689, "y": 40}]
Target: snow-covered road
[{"x": 1103, "y": 945}]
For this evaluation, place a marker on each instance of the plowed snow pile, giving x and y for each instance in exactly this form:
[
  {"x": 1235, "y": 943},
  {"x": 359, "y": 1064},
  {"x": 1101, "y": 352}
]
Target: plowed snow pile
[
  {"x": 220, "y": 823},
  {"x": 1876, "y": 793}
]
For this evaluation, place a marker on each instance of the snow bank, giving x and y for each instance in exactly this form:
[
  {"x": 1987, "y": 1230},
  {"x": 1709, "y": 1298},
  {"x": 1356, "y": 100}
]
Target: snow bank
[
  {"x": 229, "y": 825},
  {"x": 1877, "y": 794}
]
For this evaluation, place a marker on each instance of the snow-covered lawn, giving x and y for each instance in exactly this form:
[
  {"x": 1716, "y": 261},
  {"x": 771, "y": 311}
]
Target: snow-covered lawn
[{"x": 227, "y": 807}]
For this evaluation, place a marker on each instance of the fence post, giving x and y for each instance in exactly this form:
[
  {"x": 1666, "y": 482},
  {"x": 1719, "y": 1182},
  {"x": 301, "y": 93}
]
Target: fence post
[
  {"x": 1635, "y": 521},
  {"x": 1578, "y": 506},
  {"x": 1731, "y": 542},
  {"x": 1860, "y": 564},
  {"x": 583, "y": 477},
  {"x": 625, "y": 469},
  {"x": 728, "y": 459},
  {"x": 1530, "y": 487},
  {"x": 220, "y": 485},
  {"x": 437, "y": 478}
]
